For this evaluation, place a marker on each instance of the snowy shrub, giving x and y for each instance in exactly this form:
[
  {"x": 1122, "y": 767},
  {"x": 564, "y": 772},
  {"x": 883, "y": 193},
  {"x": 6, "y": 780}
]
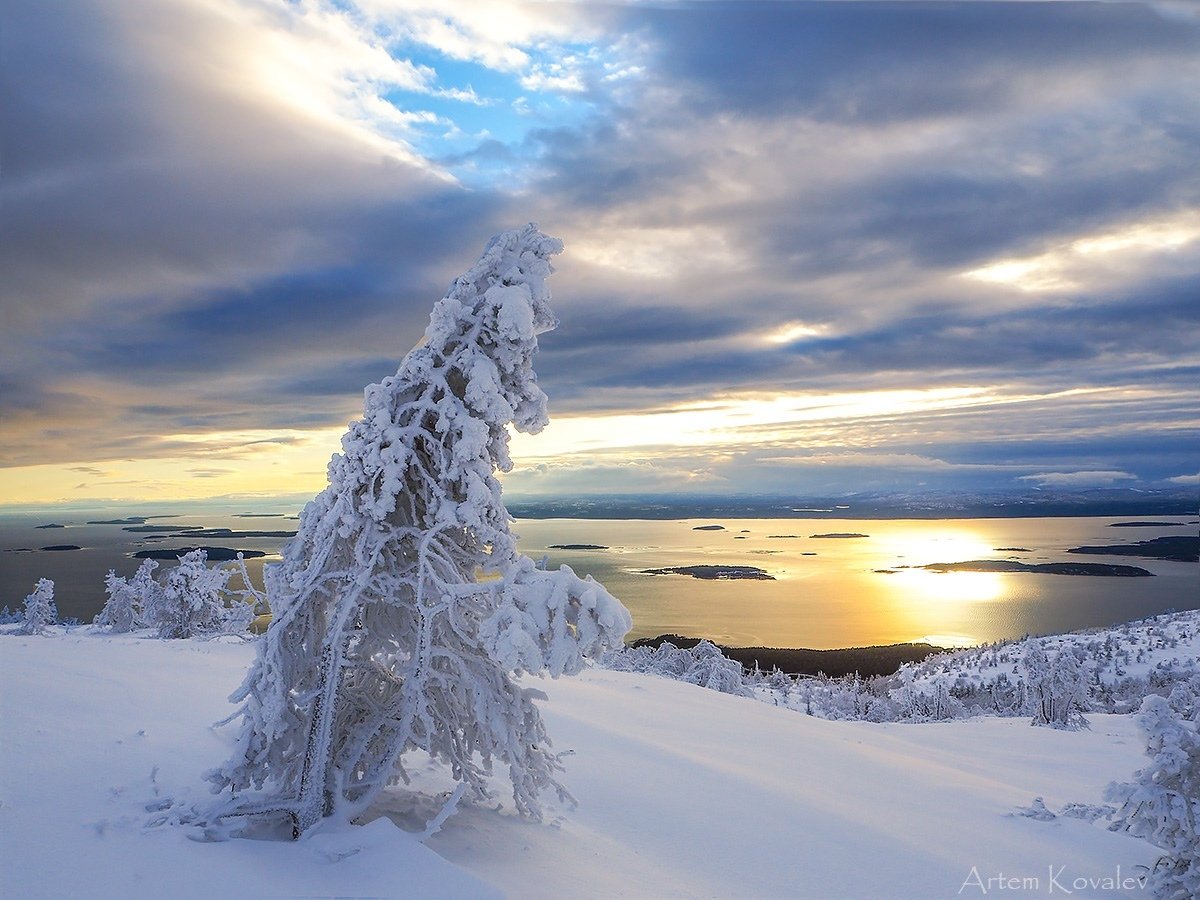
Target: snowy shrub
[
  {"x": 402, "y": 609},
  {"x": 935, "y": 704},
  {"x": 129, "y": 600},
  {"x": 191, "y": 601},
  {"x": 703, "y": 664},
  {"x": 40, "y": 610},
  {"x": 10, "y": 616},
  {"x": 1057, "y": 689},
  {"x": 1162, "y": 804},
  {"x": 247, "y": 594}
]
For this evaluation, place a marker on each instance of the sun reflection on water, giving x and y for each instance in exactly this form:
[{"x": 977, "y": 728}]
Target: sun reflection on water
[
  {"x": 950, "y": 641},
  {"x": 920, "y": 586},
  {"x": 921, "y": 598}
]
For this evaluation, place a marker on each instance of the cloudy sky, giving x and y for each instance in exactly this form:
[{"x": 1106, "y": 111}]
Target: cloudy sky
[{"x": 811, "y": 247}]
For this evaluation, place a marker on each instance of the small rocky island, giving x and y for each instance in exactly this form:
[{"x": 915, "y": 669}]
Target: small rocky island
[
  {"x": 709, "y": 528},
  {"x": 840, "y": 534},
  {"x": 714, "y": 573},
  {"x": 576, "y": 547},
  {"x": 56, "y": 547},
  {"x": 50, "y": 525}
]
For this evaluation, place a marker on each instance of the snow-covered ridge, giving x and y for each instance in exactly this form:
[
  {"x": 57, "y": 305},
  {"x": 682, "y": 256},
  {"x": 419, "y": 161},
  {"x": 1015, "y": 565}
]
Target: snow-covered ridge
[
  {"x": 1114, "y": 669},
  {"x": 1158, "y": 651}
]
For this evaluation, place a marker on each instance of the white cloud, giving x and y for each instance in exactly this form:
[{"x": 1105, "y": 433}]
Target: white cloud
[
  {"x": 1091, "y": 478},
  {"x": 500, "y": 34},
  {"x": 1185, "y": 479},
  {"x": 655, "y": 252},
  {"x": 618, "y": 476}
]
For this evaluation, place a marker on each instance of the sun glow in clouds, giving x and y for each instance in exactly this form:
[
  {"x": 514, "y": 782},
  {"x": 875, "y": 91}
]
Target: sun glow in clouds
[
  {"x": 417, "y": 82},
  {"x": 186, "y": 467},
  {"x": 1094, "y": 257},
  {"x": 743, "y": 420},
  {"x": 794, "y": 331},
  {"x": 655, "y": 252}
]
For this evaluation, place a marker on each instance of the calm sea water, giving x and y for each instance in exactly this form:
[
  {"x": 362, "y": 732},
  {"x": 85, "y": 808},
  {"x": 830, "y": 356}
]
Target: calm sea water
[{"x": 826, "y": 592}]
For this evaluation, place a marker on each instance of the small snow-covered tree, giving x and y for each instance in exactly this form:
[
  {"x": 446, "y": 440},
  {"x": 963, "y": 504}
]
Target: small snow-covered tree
[
  {"x": 130, "y": 600},
  {"x": 1162, "y": 804},
  {"x": 40, "y": 610},
  {"x": 703, "y": 664},
  {"x": 1057, "y": 689},
  {"x": 192, "y": 601},
  {"x": 402, "y": 609}
]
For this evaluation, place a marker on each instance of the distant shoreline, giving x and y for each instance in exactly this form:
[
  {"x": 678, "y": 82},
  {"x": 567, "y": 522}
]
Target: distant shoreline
[
  {"x": 1126, "y": 504},
  {"x": 866, "y": 661},
  {"x": 898, "y": 516}
]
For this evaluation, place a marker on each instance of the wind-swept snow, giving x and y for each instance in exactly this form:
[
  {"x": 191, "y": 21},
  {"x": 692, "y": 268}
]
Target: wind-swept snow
[{"x": 683, "y": 792}]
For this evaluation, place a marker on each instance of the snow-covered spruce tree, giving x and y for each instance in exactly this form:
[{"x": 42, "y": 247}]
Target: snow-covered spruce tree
[
  {"x": 402, "y": 608},
  {"x": 1162, "y": 804},
  {"x": 192, "y": 601},
  {"x": 40, "y": 610},
  {"x": 1057, "y": 689},
  {"x": 129, "y": 599}
]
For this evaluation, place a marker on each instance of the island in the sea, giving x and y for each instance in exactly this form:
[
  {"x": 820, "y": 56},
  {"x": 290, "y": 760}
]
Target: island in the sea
[
  {"x": 215, "y": 554},
  {"x": 709, "y": 528},
  {"x": 1146, "y": 524},
  {"x": 50, "y": 525},
  {"x": 1065, "y": 568},
  {"x": 153, "y": 529},
  {"x": 231, "y": 533},
  {"x": 133, "y": 520},
  {"x": 54, "y": 547},
  {"x": 1176, "y": 547},
  {"x": 714, "y": 573},
  {"x": 576, "y": 547},
  {"x": 840, "y": 534}
]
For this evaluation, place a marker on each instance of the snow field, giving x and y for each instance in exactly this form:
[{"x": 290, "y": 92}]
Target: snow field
[{"x": 683, "y": 792}]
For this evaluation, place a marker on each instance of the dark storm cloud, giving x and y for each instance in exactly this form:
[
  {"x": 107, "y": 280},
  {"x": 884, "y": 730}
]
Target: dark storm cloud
[
  {"x": 590, "y": 323},
  {"x": 1159, "y": 319},
  {"x": 310, "y": 311},
  {"x": 881, "y": 61},
  {"x": 937, "y": 218},
  {"x": 1170, "y": 454}
]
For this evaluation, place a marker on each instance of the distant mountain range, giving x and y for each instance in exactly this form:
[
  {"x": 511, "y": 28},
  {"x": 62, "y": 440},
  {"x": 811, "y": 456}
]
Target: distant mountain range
[{"x": 939, "y": 505}]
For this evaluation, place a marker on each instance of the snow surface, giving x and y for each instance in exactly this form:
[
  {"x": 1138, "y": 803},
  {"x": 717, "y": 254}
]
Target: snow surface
[{"x": 683, "y": 792}]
